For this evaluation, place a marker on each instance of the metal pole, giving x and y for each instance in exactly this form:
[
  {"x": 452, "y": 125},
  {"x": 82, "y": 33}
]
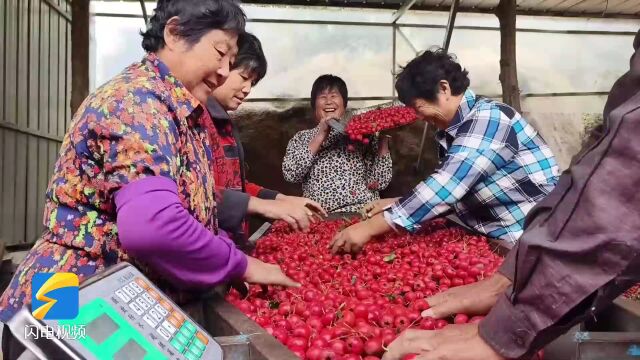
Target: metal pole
[
  {"x": 79, "y": 53},
  {"x": 447, "y": 40},
  {"x": 144, "y": 13},
  {"x": 403, "y": 9},
  {"x": 404, "y": 36},
  {"x": 452, "y": 19},
  {"x": 393, "y": 61}
]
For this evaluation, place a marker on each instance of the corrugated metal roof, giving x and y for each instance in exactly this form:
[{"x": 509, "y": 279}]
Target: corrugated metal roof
[{"x": 598, "y": 8}]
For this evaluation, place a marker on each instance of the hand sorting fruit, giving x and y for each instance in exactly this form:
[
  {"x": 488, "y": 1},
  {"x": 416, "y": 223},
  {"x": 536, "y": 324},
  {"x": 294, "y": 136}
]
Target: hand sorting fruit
[{"x": 354, "y": 308}]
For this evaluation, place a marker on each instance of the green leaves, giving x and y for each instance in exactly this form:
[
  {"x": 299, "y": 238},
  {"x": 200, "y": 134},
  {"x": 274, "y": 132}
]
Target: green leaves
[{"x": 389, "y": 258}]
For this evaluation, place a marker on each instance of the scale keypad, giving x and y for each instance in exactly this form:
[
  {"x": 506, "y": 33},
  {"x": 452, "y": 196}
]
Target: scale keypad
[{"x": 167, "y": 322}]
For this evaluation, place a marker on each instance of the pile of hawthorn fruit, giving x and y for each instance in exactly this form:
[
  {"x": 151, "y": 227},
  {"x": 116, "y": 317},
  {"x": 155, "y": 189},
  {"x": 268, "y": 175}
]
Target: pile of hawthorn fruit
[
  {"x": 362, "y": 125},
  {"x": 352, "y": 308}
]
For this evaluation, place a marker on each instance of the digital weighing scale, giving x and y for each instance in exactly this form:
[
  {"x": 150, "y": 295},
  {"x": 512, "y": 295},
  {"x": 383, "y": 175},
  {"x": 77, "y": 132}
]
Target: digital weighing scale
[{"x": 124, "y": 317}]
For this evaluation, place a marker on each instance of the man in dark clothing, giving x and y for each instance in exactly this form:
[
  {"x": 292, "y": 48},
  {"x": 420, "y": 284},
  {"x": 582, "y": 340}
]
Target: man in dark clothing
[{"x": 580, "y": 250}]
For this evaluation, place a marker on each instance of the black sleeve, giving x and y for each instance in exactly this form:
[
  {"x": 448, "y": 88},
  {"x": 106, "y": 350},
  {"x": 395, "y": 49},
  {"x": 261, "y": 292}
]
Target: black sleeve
[{"x": 232, "y": 210}]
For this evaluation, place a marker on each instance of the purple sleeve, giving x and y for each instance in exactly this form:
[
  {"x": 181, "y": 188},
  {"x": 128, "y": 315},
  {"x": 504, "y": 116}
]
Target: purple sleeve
[{"x": 157, "y": 230}]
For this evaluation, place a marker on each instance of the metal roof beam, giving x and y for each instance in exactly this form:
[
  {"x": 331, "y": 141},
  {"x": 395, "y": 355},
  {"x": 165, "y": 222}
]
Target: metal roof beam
[
  {"x": 403, "y": 9},
  {"x": 144, "y": 13},
  {"x": 450, "y": 23}
]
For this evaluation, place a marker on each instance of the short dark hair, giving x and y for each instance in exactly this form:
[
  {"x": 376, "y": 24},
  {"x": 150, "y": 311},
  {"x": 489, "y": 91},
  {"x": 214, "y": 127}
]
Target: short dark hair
[
  {"x": 197, "y": 17},
  {"x": 328, "y": 82},
  {"x": 420, "y": 78},
  {"x": 250, "y": 56}
]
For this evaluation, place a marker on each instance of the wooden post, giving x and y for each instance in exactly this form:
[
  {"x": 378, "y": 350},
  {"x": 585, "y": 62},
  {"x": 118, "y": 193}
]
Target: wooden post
[
  {"x": 506, "y": 13},
  {"x": 79, "y": 52}
]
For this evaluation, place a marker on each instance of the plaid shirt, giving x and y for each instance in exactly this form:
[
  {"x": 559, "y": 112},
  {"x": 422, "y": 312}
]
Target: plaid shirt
[{"x": 494, "y": 168}]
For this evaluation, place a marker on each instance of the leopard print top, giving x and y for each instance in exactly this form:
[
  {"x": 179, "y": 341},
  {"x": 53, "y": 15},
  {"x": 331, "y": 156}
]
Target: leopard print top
[{"x": 339, "y": 179}]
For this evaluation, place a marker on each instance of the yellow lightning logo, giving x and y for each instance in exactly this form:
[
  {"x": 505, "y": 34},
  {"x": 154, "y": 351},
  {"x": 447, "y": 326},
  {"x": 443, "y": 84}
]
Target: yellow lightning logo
[{"x": 57, "y": 281}]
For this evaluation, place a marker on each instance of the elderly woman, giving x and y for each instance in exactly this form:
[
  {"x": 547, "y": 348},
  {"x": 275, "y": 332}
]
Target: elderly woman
[
  {"x": 339, "y": 179},
  {"x": 239, "y": 197},
  {"x": 133, "y": 180},
  {"x": 494, "y": 165}
]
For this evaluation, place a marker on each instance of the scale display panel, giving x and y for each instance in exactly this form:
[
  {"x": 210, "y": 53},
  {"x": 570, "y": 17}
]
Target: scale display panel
[{"x": 124, "y": 316}]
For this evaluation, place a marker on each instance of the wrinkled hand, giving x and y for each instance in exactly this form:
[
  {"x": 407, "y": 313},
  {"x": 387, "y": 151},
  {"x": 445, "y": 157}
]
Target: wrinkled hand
[
  {"x": 302, "y": 201},
  {"x": 259, "y": 272},
  {"x": 473, "y": 299},
  {"x": 383, "y": 148},
  {"x": 323, "y": 126},
  {"x": 377, "y": 206},
  {"x": 454, "y": 342},
  {"x": 299, "y": 217},
  {"x": 351, "y": 239}
]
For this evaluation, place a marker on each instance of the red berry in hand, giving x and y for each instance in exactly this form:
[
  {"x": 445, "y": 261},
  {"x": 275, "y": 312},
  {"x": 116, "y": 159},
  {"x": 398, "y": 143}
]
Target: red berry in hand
[
  {"x": 401, "y": 322},
  {"x": 421, "y": 305},
  {"x": 428, "y": 323},
  {"x": 440, "y": 324},
  {"x": 461, "y": 319}
]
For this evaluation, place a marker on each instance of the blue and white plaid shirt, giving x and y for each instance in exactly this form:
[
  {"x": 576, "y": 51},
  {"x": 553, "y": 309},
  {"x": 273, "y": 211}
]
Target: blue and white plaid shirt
[{"x": 494, "y": 168}]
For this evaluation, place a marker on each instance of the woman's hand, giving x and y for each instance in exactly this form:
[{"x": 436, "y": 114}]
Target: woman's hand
[
  {"x": 351, "y": 239},
  {"x": 323, "y": 127},
  {"x": 323, "y": 131},
  {"x": 454, "y": 342},
  {"x": 299, "y": 217},
  {"x": 383, "y": 147},
  {"x": 472, "y": 299},
  {"x": 259, "y": 272},
  {"x": 377, "y": 206},
  {"x": 303, "y": 201}
]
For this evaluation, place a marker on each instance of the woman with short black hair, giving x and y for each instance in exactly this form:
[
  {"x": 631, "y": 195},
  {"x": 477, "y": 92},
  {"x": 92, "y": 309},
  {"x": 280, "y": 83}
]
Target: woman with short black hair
[
  {"x": 238, "y": 197},
  {"x": 339, "y": 179},
  {"x": 494, "y": 165},
  {"x": 332, "y": 82}
]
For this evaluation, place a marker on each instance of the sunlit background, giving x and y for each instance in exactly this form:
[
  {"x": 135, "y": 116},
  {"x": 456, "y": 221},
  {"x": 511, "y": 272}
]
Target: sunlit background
[{"x": 363, "y": 54}]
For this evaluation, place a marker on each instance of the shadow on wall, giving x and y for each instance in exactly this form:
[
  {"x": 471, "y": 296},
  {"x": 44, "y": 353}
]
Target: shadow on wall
[{"x": 266, "y": 130}]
